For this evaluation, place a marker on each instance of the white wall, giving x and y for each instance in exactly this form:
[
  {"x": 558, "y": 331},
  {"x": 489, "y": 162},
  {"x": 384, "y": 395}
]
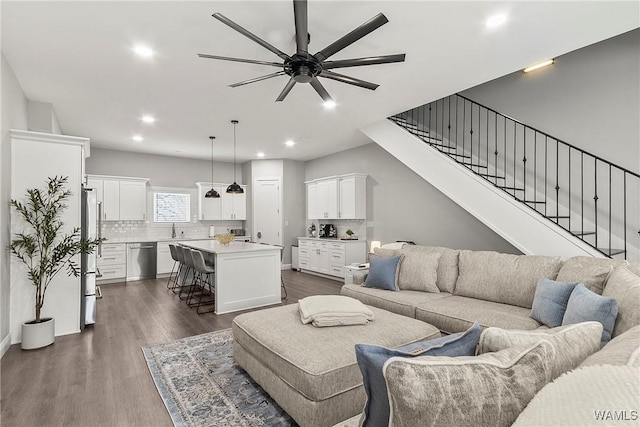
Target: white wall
[
  {"x": 14, "y": 116},
  {"x": 295, "y": 202},
  {"x": 589, "y": 98},
  {"x": 403, "y": 206},
  {"x": 164, "y": 171}
]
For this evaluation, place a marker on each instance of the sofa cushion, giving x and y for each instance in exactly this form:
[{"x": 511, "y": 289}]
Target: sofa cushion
[
  {"x": 585, "y": 305},
  {"x": 550, "y": 301},
  {"x": 624, "y": 286},
  {"x": 418, "y": 272},
  {"x": 573, "y": 343},
  {"x": 585, "y": 397},
  {"x": 621, "y": 350},
  {"x": 590, "y": 271},
  {"x": 503, "y": 278},
  {"x": 447, "y": 264},
  {"x": 457, "y": 314},
  {"x": 488, "y": 390},
  {"x": 403, "y": 302},
  {"x": 319, "y": 362},
  {"x": 371, "y": 359},
  {"x": 383, "y": 272}
]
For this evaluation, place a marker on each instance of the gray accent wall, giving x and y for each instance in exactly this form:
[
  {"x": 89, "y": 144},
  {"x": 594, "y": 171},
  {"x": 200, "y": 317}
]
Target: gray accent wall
[
  {"x": 403, "y": 206},
  {"x": 589, "y": 98},
  {"x": 14, "y": 116},
  {"x": 164, "y": 171}
]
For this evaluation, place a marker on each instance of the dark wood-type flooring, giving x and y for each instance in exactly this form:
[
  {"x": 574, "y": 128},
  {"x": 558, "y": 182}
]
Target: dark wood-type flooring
[{"x": 99, "y": 377}]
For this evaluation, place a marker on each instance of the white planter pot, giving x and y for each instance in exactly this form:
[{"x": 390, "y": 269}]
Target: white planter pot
[{"x": 38, "y": 335}]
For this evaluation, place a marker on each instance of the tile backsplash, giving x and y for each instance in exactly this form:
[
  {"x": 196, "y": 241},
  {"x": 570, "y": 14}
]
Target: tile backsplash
[
  {"x": 358, "y": 226},
  {"x": 145, "y": 230}
]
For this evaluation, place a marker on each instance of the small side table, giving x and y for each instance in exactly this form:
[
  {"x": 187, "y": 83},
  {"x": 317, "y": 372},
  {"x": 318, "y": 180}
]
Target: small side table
[{"x": 355, "y": 274}]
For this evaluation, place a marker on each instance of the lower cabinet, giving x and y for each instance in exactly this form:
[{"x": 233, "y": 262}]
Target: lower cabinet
[
  {"x": 112, "y": 263},
  {"x": 330, "y": 256}
]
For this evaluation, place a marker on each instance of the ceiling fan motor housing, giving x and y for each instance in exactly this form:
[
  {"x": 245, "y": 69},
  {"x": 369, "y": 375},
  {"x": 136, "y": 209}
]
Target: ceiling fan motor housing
[{"x": 302, "y": 68}]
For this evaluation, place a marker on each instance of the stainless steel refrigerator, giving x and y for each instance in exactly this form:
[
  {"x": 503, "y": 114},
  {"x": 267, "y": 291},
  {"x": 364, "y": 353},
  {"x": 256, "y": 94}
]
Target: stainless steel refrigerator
[{"x": 89, "y": 270}]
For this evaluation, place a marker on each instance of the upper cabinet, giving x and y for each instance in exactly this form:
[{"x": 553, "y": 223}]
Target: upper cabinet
[
  {"x": 121, "y": 198},
  {"x": 337, "y": 197},
  {"x": 227, "y": 207}
]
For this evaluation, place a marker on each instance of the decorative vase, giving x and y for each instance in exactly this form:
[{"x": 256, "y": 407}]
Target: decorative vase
[{"x": 38, "y": 335}]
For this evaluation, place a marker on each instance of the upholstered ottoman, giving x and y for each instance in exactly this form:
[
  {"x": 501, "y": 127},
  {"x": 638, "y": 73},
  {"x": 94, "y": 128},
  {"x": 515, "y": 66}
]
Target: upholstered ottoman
[{"x": 312, "y": 372}]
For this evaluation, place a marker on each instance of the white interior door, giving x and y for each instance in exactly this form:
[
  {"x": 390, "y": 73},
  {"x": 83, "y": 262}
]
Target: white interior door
[{"x": 266, "y": 211}]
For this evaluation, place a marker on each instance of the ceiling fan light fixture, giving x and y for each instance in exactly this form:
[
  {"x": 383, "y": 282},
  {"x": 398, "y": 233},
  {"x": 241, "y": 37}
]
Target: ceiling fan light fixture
[
  {"x": 234, "y": 188},
  {"x": 143, "y": 51},
  {"x": 212, "y": 194},
  {"x": 329, "y": 104}
]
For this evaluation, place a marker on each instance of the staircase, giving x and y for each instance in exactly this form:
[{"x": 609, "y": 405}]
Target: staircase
[{"x": 579, "y": 197}]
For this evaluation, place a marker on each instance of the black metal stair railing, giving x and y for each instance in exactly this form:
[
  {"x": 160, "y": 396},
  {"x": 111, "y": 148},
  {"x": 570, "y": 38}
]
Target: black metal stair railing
[{"x": 588, "y": 196}]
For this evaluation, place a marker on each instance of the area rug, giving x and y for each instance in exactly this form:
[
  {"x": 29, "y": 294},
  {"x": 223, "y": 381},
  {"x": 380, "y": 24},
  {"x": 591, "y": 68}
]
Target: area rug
[{"x": 201, "y": 385}]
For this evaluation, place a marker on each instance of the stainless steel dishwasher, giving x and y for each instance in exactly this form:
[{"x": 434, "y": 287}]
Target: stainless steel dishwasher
[{"x": 141, "y": 261}]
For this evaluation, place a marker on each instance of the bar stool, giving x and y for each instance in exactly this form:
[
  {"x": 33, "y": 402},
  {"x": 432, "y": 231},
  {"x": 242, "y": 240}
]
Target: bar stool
[
  {"x": 172, "y": 283},
  {"x": 206, "y": 296},
  {"x": 281, "y": 279},
  {"x": 184, "y": 257}
]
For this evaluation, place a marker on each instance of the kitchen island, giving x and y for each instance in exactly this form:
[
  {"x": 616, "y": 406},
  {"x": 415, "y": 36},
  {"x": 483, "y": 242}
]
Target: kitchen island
[{"x": 247, "y": 275}]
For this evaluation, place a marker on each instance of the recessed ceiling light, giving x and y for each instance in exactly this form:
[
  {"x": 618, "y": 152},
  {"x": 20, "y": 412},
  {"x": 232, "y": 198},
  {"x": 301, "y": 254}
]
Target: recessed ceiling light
[
  {"x": 290, "y": 143},
  {"x": 540, "y": 65},
  {"x": 496, "y": 20},
  {"x": 148, "y": 119},
  {"x": 260, "y": 154},
  {"x": 143, "y": 51},
  {"x": 329, "y": 104},
  {"x": 137, "y": 138}
]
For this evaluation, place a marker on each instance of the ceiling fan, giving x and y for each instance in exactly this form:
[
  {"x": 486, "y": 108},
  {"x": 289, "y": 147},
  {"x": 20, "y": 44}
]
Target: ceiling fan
[{"x": 302, "y": 67}]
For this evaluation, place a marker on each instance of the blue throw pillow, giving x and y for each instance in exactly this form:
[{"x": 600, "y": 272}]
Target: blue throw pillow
[
  {"x": 371, "y": 359},
  {"x": 550, "y": 301},
  {"x": 383, "y": 272},
  {"x": 585, "y": 305}
]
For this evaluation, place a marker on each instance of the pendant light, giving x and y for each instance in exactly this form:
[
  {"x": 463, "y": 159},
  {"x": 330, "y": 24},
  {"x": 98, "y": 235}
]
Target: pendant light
[
  {"x": 234, "y": 188},
  {"x": 212, "y": 194}
]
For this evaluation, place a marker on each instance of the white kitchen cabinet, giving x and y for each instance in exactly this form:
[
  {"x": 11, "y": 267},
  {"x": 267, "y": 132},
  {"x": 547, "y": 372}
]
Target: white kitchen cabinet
[
  {"x": 112, "y": 263},
  {"x": 338, "y": 197},
  {"x": 133, "y": 200},
  {"x": 352, "y": 201},
  {"x": 122, "y": 198},
  {"x": 164, "y": 260},
  {"x": 329, "y": 257},
  {"x": 228, "y": 207},
  {"x": 312, "y": 200}
]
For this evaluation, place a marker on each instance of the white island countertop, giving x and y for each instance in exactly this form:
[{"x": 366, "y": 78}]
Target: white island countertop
[{"x": 215, "y": 247}]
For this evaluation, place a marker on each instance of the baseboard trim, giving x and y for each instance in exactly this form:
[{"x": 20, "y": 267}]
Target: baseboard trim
[
  {"x": 285, "y": 267},
  {"x": 5, "y": 344}
]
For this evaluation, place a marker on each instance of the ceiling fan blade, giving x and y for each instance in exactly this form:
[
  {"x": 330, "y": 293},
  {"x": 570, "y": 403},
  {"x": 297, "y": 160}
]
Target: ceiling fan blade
[
  {"x": 355, "y": 35},
  {"x": 321, "y": 90},
  {"x": 257, "y": 79},
  {"x": 302, "y": 28},
  {"x": 290, "y": 84},
  {"x": 250, "y": 35},
  {"x": 346, "y": 79},
  {"x": 249, "y": 61},
  {"x": 357, "y": 62}
]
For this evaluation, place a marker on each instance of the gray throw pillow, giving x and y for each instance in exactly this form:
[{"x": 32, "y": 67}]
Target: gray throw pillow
[
  {"x": 383, "y": 272},
  {"x": 419, "y": 272},
  {"x": 488, "y": 390},
  {"x": 573, "y": 343},
  {"x": 550, "y": 301},
  {"x": 371, "y": 359},
  {"x": 585, "y": 305}
]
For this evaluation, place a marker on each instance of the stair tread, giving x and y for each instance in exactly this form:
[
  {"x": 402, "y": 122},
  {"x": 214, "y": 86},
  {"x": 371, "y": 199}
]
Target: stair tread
[
  {"x": 488, "y": 175},
  {"x": 558, "y": 216},
  {"x": 611, "y": 251},
  {"x": 510, "y": 188},
  {"x": 583, "y": 233},
  {"x": 539, "y": 202},
  {"x": 473, "y": 165}
]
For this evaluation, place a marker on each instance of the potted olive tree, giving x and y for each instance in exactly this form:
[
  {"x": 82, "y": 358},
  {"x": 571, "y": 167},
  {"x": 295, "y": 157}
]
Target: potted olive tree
[{"x": 46, "y": 250}]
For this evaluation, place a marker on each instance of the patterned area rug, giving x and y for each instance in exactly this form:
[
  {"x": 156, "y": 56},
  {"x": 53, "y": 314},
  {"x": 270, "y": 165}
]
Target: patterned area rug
[{"x": 201, "y": 385}]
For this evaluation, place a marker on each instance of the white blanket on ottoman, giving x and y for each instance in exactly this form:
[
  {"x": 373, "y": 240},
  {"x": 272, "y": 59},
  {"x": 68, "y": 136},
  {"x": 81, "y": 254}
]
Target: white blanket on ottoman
[{"x": 333, "y": 310}]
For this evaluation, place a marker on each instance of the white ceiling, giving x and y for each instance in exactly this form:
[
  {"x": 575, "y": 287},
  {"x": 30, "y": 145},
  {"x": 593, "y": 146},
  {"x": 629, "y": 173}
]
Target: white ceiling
[{"x": 78, "y": 56}]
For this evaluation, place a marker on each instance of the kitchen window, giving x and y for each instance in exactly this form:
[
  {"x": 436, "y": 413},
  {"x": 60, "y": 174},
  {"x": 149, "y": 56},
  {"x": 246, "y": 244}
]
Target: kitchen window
[{"x": 171, "y": 207}]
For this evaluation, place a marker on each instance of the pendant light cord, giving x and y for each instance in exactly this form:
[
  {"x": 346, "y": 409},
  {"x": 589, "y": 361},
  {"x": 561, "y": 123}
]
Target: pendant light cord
[{"x": 235, "y": 122}]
